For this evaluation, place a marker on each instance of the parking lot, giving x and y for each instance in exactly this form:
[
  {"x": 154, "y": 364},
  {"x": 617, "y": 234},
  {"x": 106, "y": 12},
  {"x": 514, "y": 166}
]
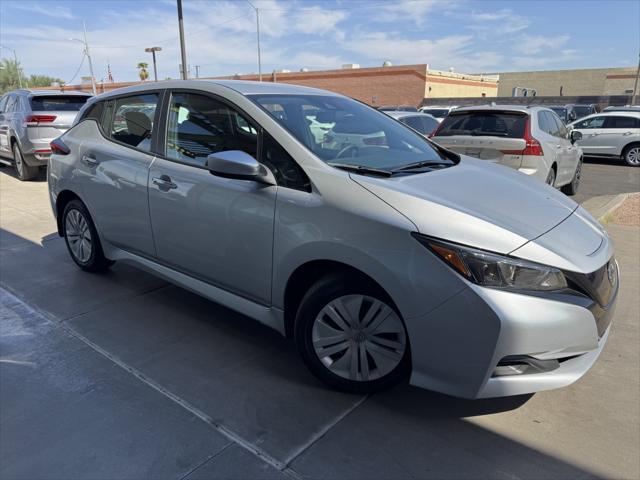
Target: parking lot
[{"x": 125, "y": 376}]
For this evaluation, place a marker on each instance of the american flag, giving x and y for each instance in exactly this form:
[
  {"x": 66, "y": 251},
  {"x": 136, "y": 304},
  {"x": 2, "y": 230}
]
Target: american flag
[{"x": 109, "y": 76}]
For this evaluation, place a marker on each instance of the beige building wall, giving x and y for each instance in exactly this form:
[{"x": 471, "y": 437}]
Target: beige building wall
[
  {"x": 620, "y": 82},
  {"x": 441, "y": 84},
  {"x": 592, "y": 81}
]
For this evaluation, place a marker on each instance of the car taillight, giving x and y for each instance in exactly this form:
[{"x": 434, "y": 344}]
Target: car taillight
[
  {"x": 33, "y": 120},
  {"x": 380, "y": 141},
  {"x": 532, "y": 145},
  {"x": 58, "y": 147}
]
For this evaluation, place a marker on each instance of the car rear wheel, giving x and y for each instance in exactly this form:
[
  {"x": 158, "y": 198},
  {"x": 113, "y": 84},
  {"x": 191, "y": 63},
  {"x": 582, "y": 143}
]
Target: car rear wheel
[
  {"x": 632, "y": 155},
  {"x": 24, "y": 171},
  {"x": 572, "y": 188},
  {"x": 350, "y": 335},
  {"x": 82, "y": 239}
]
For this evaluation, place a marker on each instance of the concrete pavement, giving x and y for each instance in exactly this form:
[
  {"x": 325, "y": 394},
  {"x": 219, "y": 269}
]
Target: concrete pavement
[{"x": 125, "y": 376}]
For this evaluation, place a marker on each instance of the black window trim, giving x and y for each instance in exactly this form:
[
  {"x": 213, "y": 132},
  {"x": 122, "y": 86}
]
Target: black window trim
[{"x": 164, "y": 125}]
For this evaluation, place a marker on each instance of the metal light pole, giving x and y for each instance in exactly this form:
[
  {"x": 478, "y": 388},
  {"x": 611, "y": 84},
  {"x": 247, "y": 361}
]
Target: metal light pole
[
  {"x": 15, "y": 58},
  {"x": 86, "y": 52},
  {"x": 183, "y": 51},
  {"x": 153, "y": 51},
  {"x": 635, "y": 84},
  {"x": 197, "y": 71},
  {"x": 258, "y": 33}
]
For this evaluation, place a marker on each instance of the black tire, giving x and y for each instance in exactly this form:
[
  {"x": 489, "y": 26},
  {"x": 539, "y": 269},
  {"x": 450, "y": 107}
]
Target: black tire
[
  {"x": 25, "y": 172},
  {"x": 572, "y": 187},
  {"x": 320, "y": 294},
  {"x": 631, "y": 155},
  {"x": 95, "y": 261}
]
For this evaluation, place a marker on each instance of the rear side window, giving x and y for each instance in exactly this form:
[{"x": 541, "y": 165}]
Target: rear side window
[
  {"x": 133, "y": 120},
  {"x": 554, "y": 124},
  {"x": 93, "y": 112},
  {"x": 622, "y": 122},
  {"x": 491, "y": 124},
  {"x": 60, "y": 103}
]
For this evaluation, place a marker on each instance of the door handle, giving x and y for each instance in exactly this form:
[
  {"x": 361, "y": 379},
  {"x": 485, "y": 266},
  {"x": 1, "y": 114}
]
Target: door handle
[
  {"x": 89, "y": 160},
  {"x": 626, "y": 134},
  {"x": 164, "y": 182}
]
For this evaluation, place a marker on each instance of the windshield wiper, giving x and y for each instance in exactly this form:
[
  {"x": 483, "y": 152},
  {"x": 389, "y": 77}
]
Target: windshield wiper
[
  {"x": 424, "y": 163},
  {"x": 361, "y": 169}
]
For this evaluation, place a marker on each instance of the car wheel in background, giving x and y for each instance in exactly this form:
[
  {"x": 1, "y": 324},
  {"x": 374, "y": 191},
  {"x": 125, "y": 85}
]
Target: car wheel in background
[
  {"x": 572, "y": 188},
  {"x": 24, "y": 171},
  {"x": 351, "y": 336},
  {"x": 551, "y": 177},
  {"x": 631, "y": 155},
  {"x": 82, "y": 239}
]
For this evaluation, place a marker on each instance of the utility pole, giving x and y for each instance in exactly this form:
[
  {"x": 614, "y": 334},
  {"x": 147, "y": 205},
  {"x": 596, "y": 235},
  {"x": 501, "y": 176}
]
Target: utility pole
[
  {"x": 183, "y": 51},
  {"x": 15, "y": 58},
  {"x": 197, "y": 71},
  {"x": 86, "y": 50},
  {"x": 258, "y": 33},
  {"x": 635, "y": 85},
  {"x": 153, "y": 51}
]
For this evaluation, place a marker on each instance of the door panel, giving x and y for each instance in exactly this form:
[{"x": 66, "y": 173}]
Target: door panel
[
  {"x": 217, "y": 229},
  {"x": 114, "y": 178}
]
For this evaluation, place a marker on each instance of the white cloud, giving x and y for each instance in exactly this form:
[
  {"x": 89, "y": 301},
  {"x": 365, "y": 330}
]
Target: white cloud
[
  {"x": 407, "y": 10},
  {"x": 497, "y": 23},
  {"x": 533, "y": 44},
  {"x": 54, "y": 11}
]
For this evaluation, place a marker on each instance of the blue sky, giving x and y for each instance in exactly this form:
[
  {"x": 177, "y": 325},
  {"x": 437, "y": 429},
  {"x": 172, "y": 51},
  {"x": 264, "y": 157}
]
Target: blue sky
[{"x": 469, "y": 35}]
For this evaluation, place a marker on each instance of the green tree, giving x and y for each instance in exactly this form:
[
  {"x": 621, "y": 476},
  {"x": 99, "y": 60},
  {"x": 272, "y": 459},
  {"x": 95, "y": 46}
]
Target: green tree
[
  {"x": 42, "y": 80},
  {"x": 9, "y": 71},
  {"x": 144, "y": 73}
]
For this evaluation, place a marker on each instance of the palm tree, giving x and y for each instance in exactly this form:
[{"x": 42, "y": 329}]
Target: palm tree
[{"x": 144, "y": 73}]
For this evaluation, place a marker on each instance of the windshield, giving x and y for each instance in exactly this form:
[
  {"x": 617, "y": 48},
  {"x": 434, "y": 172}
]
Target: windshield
[
  {"x": 59, "y": 103},
  {"x": 561, "y": 111},
  {"x": 583, "y": 111},
  {"x": 342, "y": 130},
  {"x": 488, "y": 124},
  {"x": 436, "y": 112}
]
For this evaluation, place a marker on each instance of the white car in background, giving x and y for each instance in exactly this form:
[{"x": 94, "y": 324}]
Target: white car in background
[
  {"x": 614, "y": 134},
  {"x": 438, "y": 112},
  {"x": 531, "y": 139}
]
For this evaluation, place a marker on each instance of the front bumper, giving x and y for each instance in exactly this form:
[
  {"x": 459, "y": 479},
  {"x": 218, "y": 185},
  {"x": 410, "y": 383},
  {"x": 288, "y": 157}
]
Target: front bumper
[{"x": 457, "y": 347}]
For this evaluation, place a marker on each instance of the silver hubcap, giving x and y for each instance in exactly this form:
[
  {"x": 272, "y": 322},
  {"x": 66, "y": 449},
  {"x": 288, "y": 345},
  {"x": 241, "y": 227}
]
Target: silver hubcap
[
  {"x": 359, "y": 338},
  {"x": 78, "y": 235},
  {"x": 633, "y": 156}
]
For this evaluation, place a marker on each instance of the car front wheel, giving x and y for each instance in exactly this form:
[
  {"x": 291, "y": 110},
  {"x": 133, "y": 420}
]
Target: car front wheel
[
  {"x": 82, "y": 239},
  {"x": 351, "y": 337}
]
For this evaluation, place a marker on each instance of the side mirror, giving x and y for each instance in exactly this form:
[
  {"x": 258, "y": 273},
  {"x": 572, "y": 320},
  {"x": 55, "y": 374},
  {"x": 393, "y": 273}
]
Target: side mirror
[
  {"x": 575, "y": 136},
  {"x": 240, "y": 165}
]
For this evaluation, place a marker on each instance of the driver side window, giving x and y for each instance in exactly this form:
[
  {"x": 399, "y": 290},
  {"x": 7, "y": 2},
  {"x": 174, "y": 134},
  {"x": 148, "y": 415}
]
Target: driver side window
[{"x": 595, "y": 122}]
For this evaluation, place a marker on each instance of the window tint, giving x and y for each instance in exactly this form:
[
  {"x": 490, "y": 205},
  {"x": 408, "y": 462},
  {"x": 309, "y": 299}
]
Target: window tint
[
  {"x": 436, "y": 112},
  {"x": 583, "y": 111},
  {"x": 199, "y": 125},
  {"x": 562, "y": 129},
  {"x": 594, "y": 122},
  {"x": 491, "y": 124},
  {"x": 554, "y": 126},
  {"x": 543, "y": 123},
  {"x": 11, "y": 104},
  {"x": 415, "y": 123},
  {"x": 622, "y": 122},
  {"x": 93, "y": 112},
  {"x": 59, "y": 103},
  {"x": 429, "y": 124},
  {"x": 287, "y": 172},
  {"x": 3, "y": 103},
  {"x": 132, "y": 121}
]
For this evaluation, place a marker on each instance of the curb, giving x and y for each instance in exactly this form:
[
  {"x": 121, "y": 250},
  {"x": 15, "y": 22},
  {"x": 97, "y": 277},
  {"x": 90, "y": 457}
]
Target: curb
[{"x": 603, "y": 209}]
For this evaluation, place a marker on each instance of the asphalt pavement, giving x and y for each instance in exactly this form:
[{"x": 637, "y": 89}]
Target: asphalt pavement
[{"x": 125, "y": 376}]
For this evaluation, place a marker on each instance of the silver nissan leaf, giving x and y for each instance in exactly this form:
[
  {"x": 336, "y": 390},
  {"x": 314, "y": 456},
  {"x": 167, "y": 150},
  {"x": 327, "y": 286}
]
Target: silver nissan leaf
[{"x": 384, "y": 256}]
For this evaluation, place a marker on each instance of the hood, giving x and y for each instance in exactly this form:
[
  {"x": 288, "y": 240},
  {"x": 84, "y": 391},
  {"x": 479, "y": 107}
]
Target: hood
[{"x": 474, "y": 203}]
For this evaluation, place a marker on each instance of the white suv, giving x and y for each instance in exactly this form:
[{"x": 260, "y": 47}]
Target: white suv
[
  {"x": 611, "y": 134},
  {"x": 531, "y": 139}
]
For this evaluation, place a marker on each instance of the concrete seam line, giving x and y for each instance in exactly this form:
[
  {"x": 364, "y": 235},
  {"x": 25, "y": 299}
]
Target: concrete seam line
[
  {"x": 206, "y": 460},
  {"x": 323, "y": 431},
  {"x": 234, "y": 437}
]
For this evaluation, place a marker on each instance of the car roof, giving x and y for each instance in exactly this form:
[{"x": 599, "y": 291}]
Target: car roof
[
  {"x": 502, "y": 108},
  {"x": 33, "y": 92},
  {"x": 401, "y": 114},
  {"x": 244, "y": 87},
  {"x": 609, "y": 114}
]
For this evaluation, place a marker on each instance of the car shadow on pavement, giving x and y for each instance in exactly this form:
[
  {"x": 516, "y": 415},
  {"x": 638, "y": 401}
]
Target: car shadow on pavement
[{"x": 249, "y": 380}]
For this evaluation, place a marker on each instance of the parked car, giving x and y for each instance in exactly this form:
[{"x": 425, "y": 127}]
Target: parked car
[
  {"x": 29, "y": 120},
  {"x": 626, "y": 108},
  {"x": 613, "y": 134},
  {"x": 439, "y": 113},
  {"x": 531, "y": 139},
  {"x": 566, "y": 112},
  {"x": 420, "y": 122},
  {"x": 382, "y": 261},
  {"x": 582, "y": 110},
  {"x": 398, "y": 108}
]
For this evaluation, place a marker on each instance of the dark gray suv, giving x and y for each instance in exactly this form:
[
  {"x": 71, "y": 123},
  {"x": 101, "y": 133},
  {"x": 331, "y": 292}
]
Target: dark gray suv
[{"x": 29, "y": 121}]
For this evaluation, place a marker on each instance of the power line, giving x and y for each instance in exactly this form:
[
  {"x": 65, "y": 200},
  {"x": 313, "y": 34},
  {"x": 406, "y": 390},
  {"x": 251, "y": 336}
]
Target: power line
[{"x": 78, "y": 70}]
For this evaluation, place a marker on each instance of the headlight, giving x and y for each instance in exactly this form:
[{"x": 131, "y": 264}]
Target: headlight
[{"x": 495, "y": 270}]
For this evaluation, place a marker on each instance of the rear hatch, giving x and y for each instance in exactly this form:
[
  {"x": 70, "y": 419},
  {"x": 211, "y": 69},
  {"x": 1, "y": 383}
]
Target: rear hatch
[
  {"x": 52, "y": 115},
  {"x": 492, "y": 135}
]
